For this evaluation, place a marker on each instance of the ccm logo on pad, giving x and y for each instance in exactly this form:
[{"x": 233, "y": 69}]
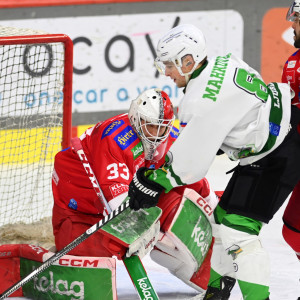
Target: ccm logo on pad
[{"x": 202, "y": 203}]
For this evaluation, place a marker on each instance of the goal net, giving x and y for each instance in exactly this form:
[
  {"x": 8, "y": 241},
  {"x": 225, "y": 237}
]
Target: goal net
[{"x": 35, "y": 121}]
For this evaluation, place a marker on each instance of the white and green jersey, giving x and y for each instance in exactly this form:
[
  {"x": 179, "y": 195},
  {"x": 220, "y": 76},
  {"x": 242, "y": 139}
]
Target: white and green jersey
[{"x": 226, "y": 106}]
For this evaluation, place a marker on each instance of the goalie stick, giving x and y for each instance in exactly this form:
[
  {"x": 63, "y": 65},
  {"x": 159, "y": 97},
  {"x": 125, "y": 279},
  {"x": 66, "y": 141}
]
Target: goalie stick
[
  {"x": 65, "y": 250},
  {"x": 133, "y": 264}
]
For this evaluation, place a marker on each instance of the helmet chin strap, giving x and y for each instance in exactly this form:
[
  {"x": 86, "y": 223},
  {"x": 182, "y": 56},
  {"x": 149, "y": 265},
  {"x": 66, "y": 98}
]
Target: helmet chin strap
[{"x": 187, "y": 78}]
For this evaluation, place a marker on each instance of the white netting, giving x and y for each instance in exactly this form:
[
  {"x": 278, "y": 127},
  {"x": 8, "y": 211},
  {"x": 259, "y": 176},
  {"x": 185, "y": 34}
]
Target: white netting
[{"x": 31, "y": 97}]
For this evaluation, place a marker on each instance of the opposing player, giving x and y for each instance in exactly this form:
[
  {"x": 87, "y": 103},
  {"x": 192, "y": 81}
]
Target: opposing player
[
  {"x": 291, "y": 227},
  {"x": 227, "y": 105},
  {"x": 115, "y": 149}
]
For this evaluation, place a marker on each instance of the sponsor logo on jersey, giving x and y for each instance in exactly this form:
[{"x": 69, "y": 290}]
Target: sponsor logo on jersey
[
  {"x": 291, "y": 64},
  {"x": 174, "y": 132},
  {"x": 137, "y": 150},
  {"x": 126, "y": 137},
  {"x": 118, "y": 189},
  {"x": 46, "y": 284},
  {"x": 112, "y": 127}
]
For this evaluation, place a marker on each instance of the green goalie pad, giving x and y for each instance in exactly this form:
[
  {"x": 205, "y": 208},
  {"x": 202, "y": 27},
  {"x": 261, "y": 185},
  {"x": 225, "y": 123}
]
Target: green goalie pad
[
  {"x": 77, "y": 278},
  {"x": 68, "y": 278},
  {"x": 191, "y": 227},
  {"x": 130, "y": 225}
]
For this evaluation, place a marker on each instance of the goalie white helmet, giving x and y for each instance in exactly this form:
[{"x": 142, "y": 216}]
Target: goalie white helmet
[
  {"x": 294, "y": 11},
  {"x": 151, "y": 115},
  {"x": 178, "y": 42}
]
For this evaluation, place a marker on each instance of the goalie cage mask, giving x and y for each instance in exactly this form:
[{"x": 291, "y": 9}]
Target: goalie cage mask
[{"x": 151, "y": 115}]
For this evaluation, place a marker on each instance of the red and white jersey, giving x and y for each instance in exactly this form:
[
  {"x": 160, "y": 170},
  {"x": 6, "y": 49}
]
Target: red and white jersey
[
  {"x": 291, "y": 75},
  {"x": 114, "y": 152}
]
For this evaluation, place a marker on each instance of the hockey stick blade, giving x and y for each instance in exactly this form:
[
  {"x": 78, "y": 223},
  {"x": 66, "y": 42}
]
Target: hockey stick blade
[{"x": 65, "y": 250}]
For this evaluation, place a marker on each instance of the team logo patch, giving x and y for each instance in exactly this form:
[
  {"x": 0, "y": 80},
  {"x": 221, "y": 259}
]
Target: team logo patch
[
  {"x": 55, "y": 177},
  {"x": 290, "y": 76},
  {"x": 183, "y": 124},
  {"x": 118, "y": 189},
  {"x": 126, "y": 137},
  {"x": 137, "y": 150},
  {"x": 112, "y": 127},
  {"x": 291, "y": 64},
  {"x": 174, "y": 132},
  {"x": 138, "y": 162},
  {"x": 274, "y": 128},
  {"x": 73, "y": 204}
]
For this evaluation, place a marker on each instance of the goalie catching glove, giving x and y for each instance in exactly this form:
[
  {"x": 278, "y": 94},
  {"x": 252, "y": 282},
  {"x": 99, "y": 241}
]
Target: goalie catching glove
[{"x": 143, "y": 192}]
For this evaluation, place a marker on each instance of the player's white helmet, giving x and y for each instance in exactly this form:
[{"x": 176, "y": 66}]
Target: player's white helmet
[
  {"x": 151, "y": 115},
  {"x": 294, "y": 11},
  {"x": 177, "y": 43}
]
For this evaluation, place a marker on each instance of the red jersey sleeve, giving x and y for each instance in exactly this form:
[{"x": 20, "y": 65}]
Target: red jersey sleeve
[{"x": 291, "y": 75}]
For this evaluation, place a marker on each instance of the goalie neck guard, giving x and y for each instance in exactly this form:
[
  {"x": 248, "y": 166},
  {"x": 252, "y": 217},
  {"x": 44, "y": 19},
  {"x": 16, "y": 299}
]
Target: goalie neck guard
[{"x": 151, "y": 115}]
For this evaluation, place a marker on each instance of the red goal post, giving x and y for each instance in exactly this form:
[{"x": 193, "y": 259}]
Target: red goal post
[{"x": 35, "y": 120}]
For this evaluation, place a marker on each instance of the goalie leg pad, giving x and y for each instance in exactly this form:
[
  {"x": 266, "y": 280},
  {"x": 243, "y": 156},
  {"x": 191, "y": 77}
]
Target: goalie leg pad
[
  {"x": 77, "y": 276},
  {"x": 185, "y": 244}
]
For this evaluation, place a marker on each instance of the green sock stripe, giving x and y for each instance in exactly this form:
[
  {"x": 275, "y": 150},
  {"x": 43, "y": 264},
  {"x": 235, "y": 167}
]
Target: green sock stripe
[
  {"x": 253, "y": 291},
  {"x": 176, "y": 177},
  {"x": 242, "y": 223},
  {"x": 214, "y": 279},
  {"x": 219, "y": 213}
]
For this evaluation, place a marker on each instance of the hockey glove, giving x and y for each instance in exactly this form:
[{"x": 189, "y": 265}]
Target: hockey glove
[{"x": 143, "y": 192}]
